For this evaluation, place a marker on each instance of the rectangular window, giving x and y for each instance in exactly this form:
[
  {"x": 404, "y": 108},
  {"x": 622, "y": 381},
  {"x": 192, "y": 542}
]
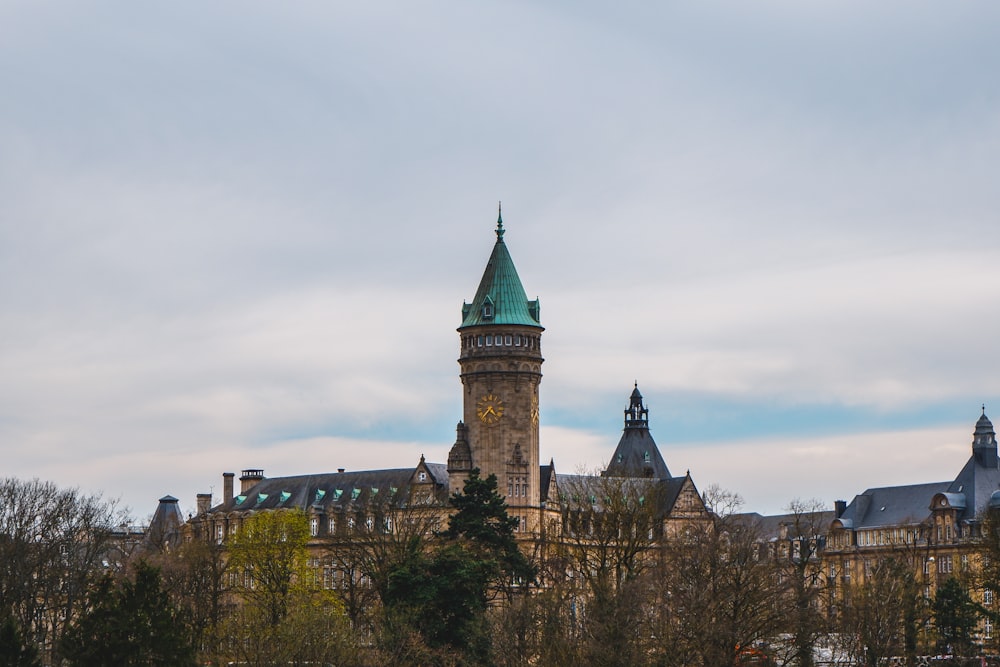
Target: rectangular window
[
  {"x": 314, "y": 526},
  {"x": 480, "y": 341},
  {"x": 507, "y": 339},
  {"x": 517, "y": 341},
  {"x": 489, "y": 340},
  {"x": 987, "y": 596},
  {"x": 987, "y": 629}
]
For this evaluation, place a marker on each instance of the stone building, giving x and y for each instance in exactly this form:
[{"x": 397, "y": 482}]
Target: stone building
[
  {"x": 935, "y": 527},
  {"x": 500, "y": 359}
]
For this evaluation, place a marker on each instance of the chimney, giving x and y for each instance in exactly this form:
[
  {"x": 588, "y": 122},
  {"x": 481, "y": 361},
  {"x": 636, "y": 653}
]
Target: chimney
[
  {"x": 838, "y": 507},
  {"x": 227, "y": 486},
  {"x": 204, "y": 502},
  {"x": 340, "y": 470},
  {"x": 249, "y": 478}
]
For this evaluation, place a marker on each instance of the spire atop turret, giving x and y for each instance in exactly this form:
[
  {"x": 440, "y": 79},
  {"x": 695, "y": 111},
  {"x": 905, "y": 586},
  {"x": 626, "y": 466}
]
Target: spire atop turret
[
  {"x": 501, "y": 298},
  {"x": 984, "y": 441},
  {"x": 500, "y": 221},
  {"x": 637, "y": 454}
]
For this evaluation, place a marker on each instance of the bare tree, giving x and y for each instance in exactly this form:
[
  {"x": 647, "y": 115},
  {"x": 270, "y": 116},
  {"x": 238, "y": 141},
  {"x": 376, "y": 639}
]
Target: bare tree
[
  {"x": 798, "y": 559},
  {"x": 720, "y": 594},
  {"x": 194, "y": 575},
  {"x": 612, "y": 529},
  {"x": 53, "y": 544},
  {"x": 364, "y": 546}
]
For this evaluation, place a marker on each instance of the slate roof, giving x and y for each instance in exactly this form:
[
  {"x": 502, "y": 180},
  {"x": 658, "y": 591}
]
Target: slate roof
[
  {"x": 336, "y": 491},
  {"x": 500, "y": 289},
  {"x": 165, "y": 525},
  {"x": 891, "y": 505},
  {"x": 771, "y": 526},
  {"x": 969, "y": 492},
  {"x": 666, "y": 490},
  {"x": 637, "y": 454}
]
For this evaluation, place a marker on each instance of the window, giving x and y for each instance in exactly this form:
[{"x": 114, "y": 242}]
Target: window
[
  {"x": 965, "y": 561},
  {"x": 987, "y": 596},
  {"x": 987, "y": 629},
  {"x": 507, "y": 339},
  {"x": 944, "y": 564},
  {"x": 314, "y": 526},
  {"x": 332, "y": 526},
  {"x": 489, "y": 340},
  {"x": 422, "y": 476},
  {"x": 517, "y": 341},
  {"x": 479, "y": 341},
  {"x": 220, "y": 533}
]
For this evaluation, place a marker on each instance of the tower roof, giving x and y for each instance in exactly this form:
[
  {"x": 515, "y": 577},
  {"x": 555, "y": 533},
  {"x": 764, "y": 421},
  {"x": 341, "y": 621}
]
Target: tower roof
[
  {"x": 984, "y": 434},
  {"x": 637, "y": 454},
  {"x": 500, "y": 298}
]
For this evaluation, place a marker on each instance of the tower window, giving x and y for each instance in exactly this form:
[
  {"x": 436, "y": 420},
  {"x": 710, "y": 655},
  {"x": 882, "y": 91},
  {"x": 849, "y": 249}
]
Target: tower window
[
  {"x": 489, "y": 340},
  {"x": 517, "y": 341},
  {"x": 487, "y": 310},
  {"x": 507, "y": 339},
  {"x": 480, "y": 341}
]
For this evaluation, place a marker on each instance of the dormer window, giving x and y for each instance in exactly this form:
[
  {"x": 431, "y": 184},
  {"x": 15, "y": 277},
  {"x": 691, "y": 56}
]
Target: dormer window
[
  {"x": 422, "y": 476},
  {"x": 488, "y": 309}
]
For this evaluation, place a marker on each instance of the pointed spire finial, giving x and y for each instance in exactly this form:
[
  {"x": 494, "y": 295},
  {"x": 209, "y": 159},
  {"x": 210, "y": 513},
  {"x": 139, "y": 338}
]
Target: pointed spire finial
[{"x": 499, "y": 221}]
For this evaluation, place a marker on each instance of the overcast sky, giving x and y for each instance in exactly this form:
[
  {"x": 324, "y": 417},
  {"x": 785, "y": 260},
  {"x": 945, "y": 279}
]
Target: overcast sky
[{"x": 239, "y": 234}]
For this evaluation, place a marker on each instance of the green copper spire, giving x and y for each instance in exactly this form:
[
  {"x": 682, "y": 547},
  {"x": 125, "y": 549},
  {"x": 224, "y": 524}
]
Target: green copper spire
[{"x": 500, "y": 298}]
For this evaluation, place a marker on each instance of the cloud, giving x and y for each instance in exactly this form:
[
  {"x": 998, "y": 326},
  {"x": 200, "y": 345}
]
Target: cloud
[{"x": 248, "y": 228}]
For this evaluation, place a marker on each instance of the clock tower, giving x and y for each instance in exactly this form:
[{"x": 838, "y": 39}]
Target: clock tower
[{"x": 501, "y": 367}]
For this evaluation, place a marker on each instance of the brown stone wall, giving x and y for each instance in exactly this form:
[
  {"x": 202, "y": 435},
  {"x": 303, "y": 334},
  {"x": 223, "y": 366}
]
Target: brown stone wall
[{"x": 509, "y": 376}]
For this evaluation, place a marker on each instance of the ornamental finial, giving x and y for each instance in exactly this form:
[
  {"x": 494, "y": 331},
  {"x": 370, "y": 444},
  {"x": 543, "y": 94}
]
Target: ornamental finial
[{"x": 499, "y": 221}]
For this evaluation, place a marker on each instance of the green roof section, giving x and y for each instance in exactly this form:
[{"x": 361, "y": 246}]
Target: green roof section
[{"x": 500, "y": 298}]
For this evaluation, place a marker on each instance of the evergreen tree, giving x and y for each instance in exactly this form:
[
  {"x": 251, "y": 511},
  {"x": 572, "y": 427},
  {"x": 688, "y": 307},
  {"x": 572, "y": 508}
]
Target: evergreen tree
[
  {"x": 14, "y": 652},
  {"x": 481, "y": 521},
  {"x": 444, "y": 594},
  {"x": 129, "y": 626},
  {"x": 955, "y": 617}
]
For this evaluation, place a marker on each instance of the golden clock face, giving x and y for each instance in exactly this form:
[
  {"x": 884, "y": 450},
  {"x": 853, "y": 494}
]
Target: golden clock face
[
  {"x": 534, "y": 410},
  {"x": 489, "y": 409}
]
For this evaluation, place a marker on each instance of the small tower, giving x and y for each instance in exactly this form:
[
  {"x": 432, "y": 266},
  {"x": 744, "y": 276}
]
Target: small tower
[
  {"x": 459, "y": 459},
  {"x": 501, "y": 364},
  {"x": 637, "y": 454},
  {"x": 984, "y": 442}
]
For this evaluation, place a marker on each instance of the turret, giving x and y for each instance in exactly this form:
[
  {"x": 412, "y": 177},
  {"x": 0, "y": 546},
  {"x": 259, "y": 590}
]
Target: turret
[{"x": 984, "y": 442}]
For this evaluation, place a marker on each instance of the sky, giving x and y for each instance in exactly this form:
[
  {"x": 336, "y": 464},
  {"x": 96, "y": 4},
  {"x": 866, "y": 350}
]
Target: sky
[{"x": 239, "y": 234}]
